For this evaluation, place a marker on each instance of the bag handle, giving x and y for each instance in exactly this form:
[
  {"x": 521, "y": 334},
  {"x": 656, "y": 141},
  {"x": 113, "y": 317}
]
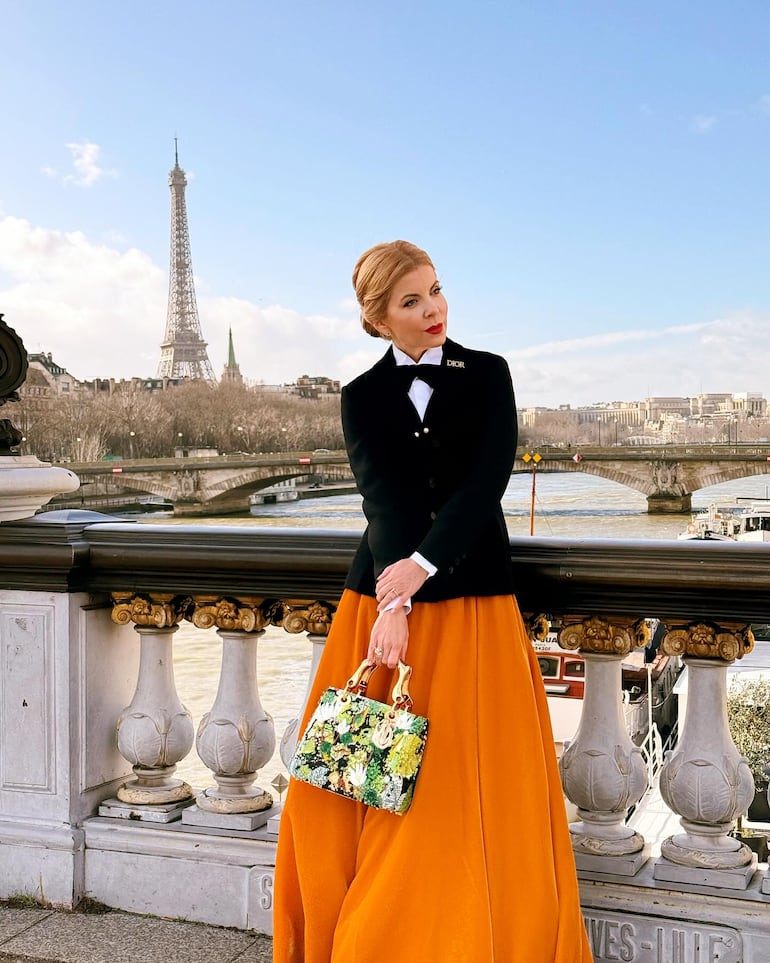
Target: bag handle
[
  {"x": 359, "y": 681},
  {"x": 357, "y": 684}
]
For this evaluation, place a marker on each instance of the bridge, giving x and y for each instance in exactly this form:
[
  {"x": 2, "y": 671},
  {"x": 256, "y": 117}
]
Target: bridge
[
  {"x": 211, "y": 485},
  {"x": 666, "y": 475}
]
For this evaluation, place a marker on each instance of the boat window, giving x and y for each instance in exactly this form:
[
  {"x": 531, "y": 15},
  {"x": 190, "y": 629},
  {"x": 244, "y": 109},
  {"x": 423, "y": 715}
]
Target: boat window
[
  {"x": 549, "y": 666},
  {"x": 574, "y": 669}
]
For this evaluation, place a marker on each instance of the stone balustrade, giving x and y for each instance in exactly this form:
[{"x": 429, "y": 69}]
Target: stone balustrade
[{"x": 92, "y": 726}]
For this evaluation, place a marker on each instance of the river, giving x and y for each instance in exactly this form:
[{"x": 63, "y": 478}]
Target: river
[{"x": 567, "y": 505}]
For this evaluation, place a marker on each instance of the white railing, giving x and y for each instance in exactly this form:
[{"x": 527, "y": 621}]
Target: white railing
[{"x": 88, "y": 628}]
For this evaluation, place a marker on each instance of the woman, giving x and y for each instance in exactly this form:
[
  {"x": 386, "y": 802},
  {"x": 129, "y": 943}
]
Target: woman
[{"x": 480, "y": 869}]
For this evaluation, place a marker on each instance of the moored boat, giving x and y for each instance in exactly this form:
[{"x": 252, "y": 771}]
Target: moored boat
[{"x": 646, "y": 672}]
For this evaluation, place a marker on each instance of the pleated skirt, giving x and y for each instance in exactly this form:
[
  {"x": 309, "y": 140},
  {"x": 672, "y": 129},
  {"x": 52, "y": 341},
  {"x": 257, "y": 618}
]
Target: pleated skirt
[{"x": 480, "y": 869}]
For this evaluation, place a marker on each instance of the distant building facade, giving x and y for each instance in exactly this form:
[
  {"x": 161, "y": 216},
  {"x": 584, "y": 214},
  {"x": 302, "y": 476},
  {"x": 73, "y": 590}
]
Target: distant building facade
[
  {"x": 46, "y": 377},
  {"x": 666, "y": 420},
  {"x": 316, "y": 387}
]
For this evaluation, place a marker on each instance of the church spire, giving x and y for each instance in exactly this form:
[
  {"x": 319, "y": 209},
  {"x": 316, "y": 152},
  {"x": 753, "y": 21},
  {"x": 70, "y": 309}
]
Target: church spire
[
  {"x": 230, "y": 350},
  {"x": 231, "y": 373}
]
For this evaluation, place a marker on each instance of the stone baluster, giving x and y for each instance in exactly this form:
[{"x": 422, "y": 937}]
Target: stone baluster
[
  {"x": 705, "y": 780},
  {"x": 602, "y": 771},
  {"x": 236, "y": 738},
  {"x": 291, "y": 733},
  {"x": 155, "y": 731}
]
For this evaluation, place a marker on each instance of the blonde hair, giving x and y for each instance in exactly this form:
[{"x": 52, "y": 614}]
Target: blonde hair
[{"x": 376, "y": 272}]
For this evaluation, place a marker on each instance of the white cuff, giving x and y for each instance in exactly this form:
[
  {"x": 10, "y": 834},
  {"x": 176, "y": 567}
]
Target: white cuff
[
  {"x": 429, "y": 567},
  {"x": 407, "y": 604}
]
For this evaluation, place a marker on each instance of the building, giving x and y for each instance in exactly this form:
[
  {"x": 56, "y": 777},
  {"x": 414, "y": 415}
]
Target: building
[
  {"x": 45, "y": 376},
  {"x": 231, "y": 373},
  {"x": 316, "y": 387}
]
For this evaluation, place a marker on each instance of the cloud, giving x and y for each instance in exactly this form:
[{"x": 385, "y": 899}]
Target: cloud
[
  {"x": 274, "y": 344},
  {"x": 86, "y": 161},
  {"x": 703, "y": 123},
  {"x": 101, "y": 312},
  {"x": 679, "y": 360},
  {"x": 606, "y": 339}
]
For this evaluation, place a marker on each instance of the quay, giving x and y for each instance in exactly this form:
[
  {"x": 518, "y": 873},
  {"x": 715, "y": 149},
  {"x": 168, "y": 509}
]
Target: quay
[{"x": 92, "y": 727}]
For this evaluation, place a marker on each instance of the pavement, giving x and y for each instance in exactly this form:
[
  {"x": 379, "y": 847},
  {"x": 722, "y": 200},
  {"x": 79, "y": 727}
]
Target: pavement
[{"x": 95, "y": 934}]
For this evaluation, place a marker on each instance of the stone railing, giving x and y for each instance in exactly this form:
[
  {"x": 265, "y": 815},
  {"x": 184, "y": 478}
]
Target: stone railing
[{"x": 93, "y": 727}]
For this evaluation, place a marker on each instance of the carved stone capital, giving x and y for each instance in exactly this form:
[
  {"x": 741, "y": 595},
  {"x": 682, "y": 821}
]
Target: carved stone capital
[
  {"x": 615, "y": 636},
  {"x": 158, "y": 610},
  {"x": 300, "y": 616},
  {"x": 538, "y": 626},
  {"x": 707, "y": 640},
  {"x": 226, "y": 612},
  {"x": 231, "y": 613}
]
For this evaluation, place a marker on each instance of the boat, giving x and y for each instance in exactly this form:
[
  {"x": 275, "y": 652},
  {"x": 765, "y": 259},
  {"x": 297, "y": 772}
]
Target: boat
[
  {"x": 747, "y": 520},
  {"x": 754, "y": 521},
  {"x": 644, "y": 672},
  {"x": 282, "y": 491},
  {"x": 718, "y": 523}
]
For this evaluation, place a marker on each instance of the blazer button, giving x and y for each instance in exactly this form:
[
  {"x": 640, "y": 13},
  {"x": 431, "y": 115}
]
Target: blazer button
[
  {"x": 431, "y": 483},
  {"x": 425, "y": 431},
  {"x": 433, "y": 516},
  {"x": 417, "y": 434},
  {"x": 451, "y": 569}
]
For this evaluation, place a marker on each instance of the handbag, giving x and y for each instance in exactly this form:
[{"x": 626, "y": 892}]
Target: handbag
[{"x": 366, "y": 750}]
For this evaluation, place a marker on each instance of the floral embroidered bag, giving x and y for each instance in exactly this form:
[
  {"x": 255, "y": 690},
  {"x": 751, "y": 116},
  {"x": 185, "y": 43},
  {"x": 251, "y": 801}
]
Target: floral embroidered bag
[{"x": 368, "y": 751}]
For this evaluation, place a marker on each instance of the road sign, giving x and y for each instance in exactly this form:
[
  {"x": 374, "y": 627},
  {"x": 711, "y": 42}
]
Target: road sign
[
  {"x": 117, "y": 471},
  {"x": 305, "y": 459},
  {"x": 578, "y": 457}
]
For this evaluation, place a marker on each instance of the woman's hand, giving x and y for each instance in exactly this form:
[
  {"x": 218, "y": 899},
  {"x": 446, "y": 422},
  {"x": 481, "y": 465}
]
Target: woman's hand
[
  {"x": 389, "y": 638},
  {"x": 399, "y": 582}
]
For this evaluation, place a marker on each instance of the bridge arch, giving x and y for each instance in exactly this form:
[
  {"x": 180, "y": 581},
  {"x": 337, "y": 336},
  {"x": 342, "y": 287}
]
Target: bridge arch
[{"x": 666, "y": 475}]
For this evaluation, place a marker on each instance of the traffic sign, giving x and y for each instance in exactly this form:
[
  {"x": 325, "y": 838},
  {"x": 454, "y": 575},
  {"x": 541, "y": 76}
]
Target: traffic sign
[
  {"x": 578, "y": 457},
  {"x": 117, "y": 471}
]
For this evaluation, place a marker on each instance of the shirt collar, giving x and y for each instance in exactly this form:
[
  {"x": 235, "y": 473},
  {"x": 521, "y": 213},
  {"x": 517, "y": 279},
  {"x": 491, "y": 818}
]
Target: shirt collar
[{"x": 431, "y": 356}]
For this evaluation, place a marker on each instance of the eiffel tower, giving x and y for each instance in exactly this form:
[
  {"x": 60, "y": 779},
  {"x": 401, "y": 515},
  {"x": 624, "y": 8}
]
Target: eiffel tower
[{"x": 183, "y": 352}]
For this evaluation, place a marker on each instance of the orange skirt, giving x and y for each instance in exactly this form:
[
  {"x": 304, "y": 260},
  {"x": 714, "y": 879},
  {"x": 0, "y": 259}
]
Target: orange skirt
[{"x": 480, "y": 869}]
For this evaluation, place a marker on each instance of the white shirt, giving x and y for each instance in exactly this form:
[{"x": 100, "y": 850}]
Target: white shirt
[{"x": 419, "y": 394}]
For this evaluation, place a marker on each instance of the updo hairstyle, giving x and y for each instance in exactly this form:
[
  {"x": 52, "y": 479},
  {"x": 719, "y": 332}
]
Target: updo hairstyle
[{"x": 375, "y": 274}]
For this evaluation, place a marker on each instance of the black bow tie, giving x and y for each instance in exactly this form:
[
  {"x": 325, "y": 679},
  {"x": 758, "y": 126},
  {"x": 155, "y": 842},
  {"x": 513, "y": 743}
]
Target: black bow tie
[{"x": 431, "y": 374}]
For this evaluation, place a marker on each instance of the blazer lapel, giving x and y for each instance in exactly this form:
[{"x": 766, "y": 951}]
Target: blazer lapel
[
  {"x": 451, "y": 391},
  {"x": 391, "y": 391}
]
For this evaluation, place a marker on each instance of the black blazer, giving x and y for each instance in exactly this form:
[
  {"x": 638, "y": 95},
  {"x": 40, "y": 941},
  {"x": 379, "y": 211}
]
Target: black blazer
[{"x": 434, "y": 486}]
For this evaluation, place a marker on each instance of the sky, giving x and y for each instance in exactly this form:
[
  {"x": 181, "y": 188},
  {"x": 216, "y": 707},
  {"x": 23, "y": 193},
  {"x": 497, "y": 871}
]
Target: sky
[{"x": 590, "y": 178}]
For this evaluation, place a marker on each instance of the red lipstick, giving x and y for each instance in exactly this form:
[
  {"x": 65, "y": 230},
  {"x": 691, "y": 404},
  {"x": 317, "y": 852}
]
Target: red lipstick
[{"x": 435, "y": 329}]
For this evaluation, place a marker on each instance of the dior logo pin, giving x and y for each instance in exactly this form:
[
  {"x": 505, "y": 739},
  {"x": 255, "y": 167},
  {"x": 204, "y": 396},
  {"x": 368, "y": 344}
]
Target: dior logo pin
[{"x": 455, "y": 364}]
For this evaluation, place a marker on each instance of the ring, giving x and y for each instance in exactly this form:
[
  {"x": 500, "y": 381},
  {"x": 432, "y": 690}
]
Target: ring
[{"x": 378, "y": 651}]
